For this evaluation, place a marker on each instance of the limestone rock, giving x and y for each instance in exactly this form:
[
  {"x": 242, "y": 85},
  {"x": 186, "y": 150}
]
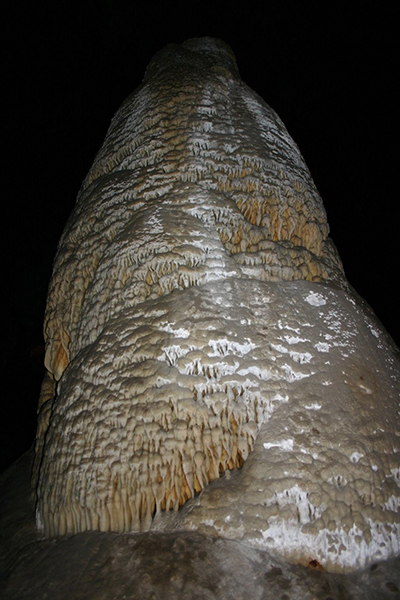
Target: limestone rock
[
  {"x": 174, "y": 564},
  {"x": 199, "y": 321}
]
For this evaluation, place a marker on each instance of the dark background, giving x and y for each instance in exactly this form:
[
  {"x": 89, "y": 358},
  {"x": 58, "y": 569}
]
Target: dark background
[{"x": 329, "y": 69}]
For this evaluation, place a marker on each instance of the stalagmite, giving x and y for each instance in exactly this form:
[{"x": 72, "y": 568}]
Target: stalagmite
[{"x": 199, "y": 321}]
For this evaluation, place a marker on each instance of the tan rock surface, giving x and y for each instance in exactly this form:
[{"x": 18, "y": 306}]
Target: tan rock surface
[
  {"x": 199, "y": 320},
  {"x": 157, "y": 565}
]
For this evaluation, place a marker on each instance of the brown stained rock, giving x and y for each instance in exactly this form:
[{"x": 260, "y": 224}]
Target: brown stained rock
[{"x": 199, "y": 321}]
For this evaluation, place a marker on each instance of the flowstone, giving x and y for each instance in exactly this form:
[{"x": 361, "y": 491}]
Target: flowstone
[{"x": 199, "y": 328}]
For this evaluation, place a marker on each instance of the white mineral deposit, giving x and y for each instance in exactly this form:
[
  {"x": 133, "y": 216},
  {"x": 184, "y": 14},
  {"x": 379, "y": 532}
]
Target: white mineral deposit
[{"x": 209, "y": 367}]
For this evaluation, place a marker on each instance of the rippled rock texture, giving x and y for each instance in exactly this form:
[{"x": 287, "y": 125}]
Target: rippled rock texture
[
  {"x": 203, "y": 347},
  {"x": 176, "y": 564}
]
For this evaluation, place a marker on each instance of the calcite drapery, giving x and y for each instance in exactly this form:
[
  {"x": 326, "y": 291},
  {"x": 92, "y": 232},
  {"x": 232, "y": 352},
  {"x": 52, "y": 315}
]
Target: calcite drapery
[{"x": 199, "y": 311}]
